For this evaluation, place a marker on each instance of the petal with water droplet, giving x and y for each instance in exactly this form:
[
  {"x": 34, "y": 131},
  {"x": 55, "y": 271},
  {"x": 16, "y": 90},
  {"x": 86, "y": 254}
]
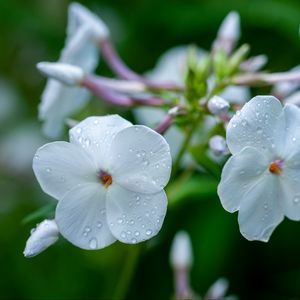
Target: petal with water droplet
[
  {"x": 61, "y": 166},
  {"x": 140, "y": 222},
  {"x": 82, "y": 208},
  {"x": 260, "y": 211},
  {"x": 240, "y": 173},
  {"x": 140, "y": 160},
  {"x": 95, "y": 135},
  {"x": 260, "y": 124}
]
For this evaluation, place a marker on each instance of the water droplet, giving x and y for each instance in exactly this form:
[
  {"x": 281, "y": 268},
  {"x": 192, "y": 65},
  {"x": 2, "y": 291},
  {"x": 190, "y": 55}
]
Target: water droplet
[
  {"x": 123, "y": 234},
  {"x": 99, "y": 224},
  {"x": 149, "y": 232},
  {"x": 294, "y": 139},
  {"x": 137, "y": 233},
  {"x": 128, "y": 232},
  {"x": 133, "y": 241},
  {"x": 238, "y": 112},
  {"x": 93, "y": 243},
  {"x": 242, "y": 172},
  {"x": 48, "y": 170},
  {"x": 120, "y": 221},
  {"x": 143, "y": 153},
  {"x": 78, "y": 130},
  {"x": 96, "y": 122},
  {"x": 146, "y": 162},
  {"x": 244, "y": 123},
  {"x": 87, "y": 142},
  {"x": 259, "y": 130},
  {"x": 37, "y": 156},
  {"x": 157, "y": 166},
  {"x": 130, "y": 150},
  {"x": 296, "y": 199},
  {"x": 102, "y": 211},
  {"x": 131, "y": 222}
]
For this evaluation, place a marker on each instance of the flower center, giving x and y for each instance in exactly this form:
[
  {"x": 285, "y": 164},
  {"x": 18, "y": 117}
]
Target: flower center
[
  {"x": 276, "y": 167},
  {"x": 105, "y": 178}
]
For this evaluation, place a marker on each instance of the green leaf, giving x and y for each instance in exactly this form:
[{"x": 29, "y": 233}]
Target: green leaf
[{"x": 41, "y": 213}]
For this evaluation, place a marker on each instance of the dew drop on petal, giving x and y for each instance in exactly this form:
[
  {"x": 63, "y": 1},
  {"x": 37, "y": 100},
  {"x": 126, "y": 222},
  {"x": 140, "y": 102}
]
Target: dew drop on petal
[
  {"x": 123, "y": 234},
  {"x": 48, "y": 170},
  {"x": 149, "y": 232},
  {"x": 137, "y": 233},
  {"x": 133, "y": 241},
  {"x": 99, "y": 224},
  {"x": 296, "y": 199},
  {"x": 93, "y": 243}
]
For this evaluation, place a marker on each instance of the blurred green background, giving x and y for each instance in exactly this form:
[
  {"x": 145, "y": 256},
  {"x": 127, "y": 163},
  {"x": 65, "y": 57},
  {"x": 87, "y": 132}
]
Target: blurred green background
[{"x": 33, "y": 31}]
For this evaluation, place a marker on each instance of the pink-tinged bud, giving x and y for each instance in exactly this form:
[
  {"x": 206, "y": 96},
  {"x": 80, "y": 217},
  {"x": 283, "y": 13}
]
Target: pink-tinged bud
[
  {"x": 65, "y": 73},
  {"x": 43, "y": 236},
  {"x": 218, "y": 146},
  {"x": 255, "y": 63}
]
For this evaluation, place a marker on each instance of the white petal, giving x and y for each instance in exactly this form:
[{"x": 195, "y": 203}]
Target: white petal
[
  {"x": 61, "y": 166},
  {"x": 95, "y": 135},
  {"x": 81, "y": 217},
  {"x": 260, "y": 124},
  {"x": 236, "y": 94},
  {"x": 151, "y": 116},
  {"x": 290, "y": 191},
  {"x": 134, "y": 217},
  {"x": 58, "y": 102},
  {"x": 260, "y": 211},
  {"x": 240, "y": 173},
  {"x": 140, "y": 160},
  {"x": 79, "y": 15},
  {"x": 80, "y": 50},
  {"x": 292, "y": 132}
]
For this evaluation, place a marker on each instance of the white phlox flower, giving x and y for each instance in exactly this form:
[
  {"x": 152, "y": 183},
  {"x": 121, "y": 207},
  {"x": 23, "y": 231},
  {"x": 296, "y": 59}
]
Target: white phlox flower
[
  {"x": 43, "y": 236},
  {"x": 109, "y": 181},
  {"x": 262, "y": 178},
  {"x": 84, "y": 31}
]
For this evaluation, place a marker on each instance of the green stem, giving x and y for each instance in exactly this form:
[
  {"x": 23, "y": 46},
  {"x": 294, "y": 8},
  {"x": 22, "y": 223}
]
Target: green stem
[
  {"x": 186, "y": 143},
  {"x": 128, "y": 272}
]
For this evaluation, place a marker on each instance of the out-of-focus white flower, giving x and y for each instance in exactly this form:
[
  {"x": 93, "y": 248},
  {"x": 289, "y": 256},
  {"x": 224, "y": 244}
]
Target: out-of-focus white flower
[
  {"x": 109, "y": 181},
  {"x": 218, "y": 146},
  {"x": 229, "y": 32},
  {"x": 285, "y": 88},
  {"x": 261, "y": 179},
  {"x": 293, "y": 98},
  {"x": 65, "y": 73},
  {"x": 17, "y": 148},
  {"x": 181, "y": 256},
  {"x": 59, "y": 101},
  {"x": 217, "y": 105},
  {"x": 218, "y": 291},
  {"x": 43, "y": 236}
]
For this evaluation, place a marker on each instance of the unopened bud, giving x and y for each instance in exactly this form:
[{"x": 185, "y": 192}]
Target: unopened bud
[
  {"x": 218, "y": 146},
  {"x": 65, "y": 73},
  {"x": 218, "y": 290},
  {"x": 181, "y": 251},
  {"x": 255, "y": 63},
  {"x": 229, "y": 32},
  {"x": 98, "y": 28},
  {"x": 43, "y": 236},
  {"x": 293, "y": 99},
  {"x": 217, "y": 105}
]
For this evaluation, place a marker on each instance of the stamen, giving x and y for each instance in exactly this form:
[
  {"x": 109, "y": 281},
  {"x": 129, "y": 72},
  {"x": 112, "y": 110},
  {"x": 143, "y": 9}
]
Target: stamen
[
  {"x": 105, "y": 178},
  {"x": 276, "y": 167}
]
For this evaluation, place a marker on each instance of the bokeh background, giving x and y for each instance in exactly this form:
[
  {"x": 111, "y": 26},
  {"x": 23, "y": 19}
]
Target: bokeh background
[{"x": 33, "y": 31}]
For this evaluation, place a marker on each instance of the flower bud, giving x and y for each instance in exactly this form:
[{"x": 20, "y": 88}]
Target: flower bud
[
  {"x": 254, "y": 64},
  {"x": 181, "y": 251},
  {"x": 217, "y": 105},
  {"x": 229, "y": 32},
  {"x": 218, "y": 290},
  {"x": 65, "y": 73},
  {"x": 218, "y": 146},
  {"x": 80, "y": 13},
  {"x": 43, "y": 236}
]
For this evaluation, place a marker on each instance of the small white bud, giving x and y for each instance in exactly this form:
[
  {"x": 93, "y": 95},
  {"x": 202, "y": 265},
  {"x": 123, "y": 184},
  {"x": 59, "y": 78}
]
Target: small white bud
[
  {"x": 230, "y": 27},
  {"x": 218, "y": 290},
  {"x": 217, "y": 105},
  {"x": 181, "y": 251},
  {"x": 218, "y": 146},
  {"x": 98, "y": 28},
  {"x": 65, "y": 73},
  {"x": 43, "y": 236}
]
